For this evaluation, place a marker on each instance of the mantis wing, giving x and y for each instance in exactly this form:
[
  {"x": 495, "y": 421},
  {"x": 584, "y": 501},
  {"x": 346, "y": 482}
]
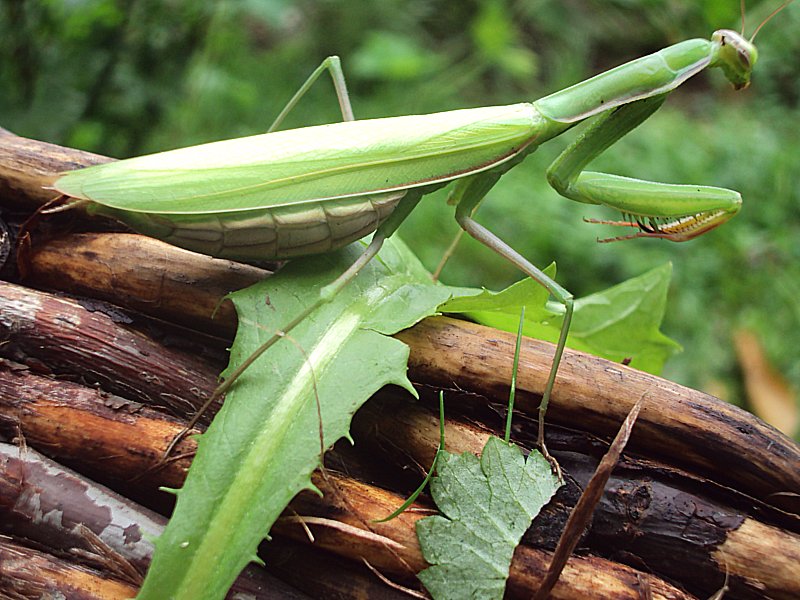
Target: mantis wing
[{"x": 352, "y": 158}]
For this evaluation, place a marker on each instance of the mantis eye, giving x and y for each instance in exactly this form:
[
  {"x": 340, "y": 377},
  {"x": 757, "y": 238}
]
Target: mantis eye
[{"x": 744, "y": 58}]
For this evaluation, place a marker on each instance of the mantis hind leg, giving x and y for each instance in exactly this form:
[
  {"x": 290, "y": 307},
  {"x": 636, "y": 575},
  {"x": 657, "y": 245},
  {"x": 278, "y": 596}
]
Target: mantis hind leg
[
  {"x": 327, "y": 293},
  {"x": 333, "y": 65},
  {"x": 472, "y": 194}
]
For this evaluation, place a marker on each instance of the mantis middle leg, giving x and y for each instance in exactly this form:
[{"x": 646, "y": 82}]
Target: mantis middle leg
[
  {"x": 333, "y": 65},
  {"x": 470, "y": 196},
  {"x": 676, "y": 212}
]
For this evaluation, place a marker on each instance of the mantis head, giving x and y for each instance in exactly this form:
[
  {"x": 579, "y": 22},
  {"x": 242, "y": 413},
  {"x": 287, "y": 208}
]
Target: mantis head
[{"x": 735, "y": 55}]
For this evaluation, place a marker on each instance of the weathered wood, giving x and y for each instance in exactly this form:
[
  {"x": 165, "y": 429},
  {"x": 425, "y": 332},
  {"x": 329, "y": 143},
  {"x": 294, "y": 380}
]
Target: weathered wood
[
  {"x": 55, "y": 334},
  {"x": 44, "y": 503},
  {"x": 678, "y": 425},
  {"x": 144, "y": 274},
  {"x": 28, "y": 573},
  {"x": 325, "y": 575},
  {"x": 111, "y": 438},
  {"x": 341, "y": 520}
]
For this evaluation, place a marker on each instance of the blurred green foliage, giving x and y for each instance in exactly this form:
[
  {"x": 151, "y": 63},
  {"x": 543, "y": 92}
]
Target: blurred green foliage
[{"x": 126, "y": 77}]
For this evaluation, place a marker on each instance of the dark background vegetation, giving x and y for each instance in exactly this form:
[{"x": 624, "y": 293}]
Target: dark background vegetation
[{"x": 128, "y": 77}]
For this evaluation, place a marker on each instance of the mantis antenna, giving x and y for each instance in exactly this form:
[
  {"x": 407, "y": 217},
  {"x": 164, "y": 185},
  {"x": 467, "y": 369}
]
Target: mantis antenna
[{"x": 767, "y": 20}]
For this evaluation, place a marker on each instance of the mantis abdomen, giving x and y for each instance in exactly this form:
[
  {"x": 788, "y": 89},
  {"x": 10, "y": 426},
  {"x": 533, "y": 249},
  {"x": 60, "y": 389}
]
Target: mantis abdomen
[{"x": 267, "y": 233}]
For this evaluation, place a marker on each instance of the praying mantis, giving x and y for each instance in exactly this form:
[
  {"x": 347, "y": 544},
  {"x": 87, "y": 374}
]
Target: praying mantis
[{"x": 312, "y": 190}]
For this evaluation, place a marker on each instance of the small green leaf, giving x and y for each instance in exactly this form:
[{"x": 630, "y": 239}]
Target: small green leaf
[
  {"x": 623, "y": 321},
  {"x": 264, "y": 444},
  {"x": 487, "y": 504}
]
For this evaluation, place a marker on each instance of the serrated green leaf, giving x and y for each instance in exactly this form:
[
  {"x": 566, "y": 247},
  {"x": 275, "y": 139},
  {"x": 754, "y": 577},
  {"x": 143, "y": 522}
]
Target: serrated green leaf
[
  {"x": 621, "y": 322},
  {"x": 487, "y": 506},
  {"x": 264, "y": 444}
]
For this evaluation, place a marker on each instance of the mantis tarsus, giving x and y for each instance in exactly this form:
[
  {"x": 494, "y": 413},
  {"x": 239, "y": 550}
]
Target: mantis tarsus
[{"x": 311, "y": 190}]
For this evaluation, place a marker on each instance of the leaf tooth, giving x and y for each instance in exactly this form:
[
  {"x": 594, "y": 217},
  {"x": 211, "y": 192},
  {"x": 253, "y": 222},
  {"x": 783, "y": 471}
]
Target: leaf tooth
[
  {"x": 314, "y": 489},
  {"x": 255, "y": 558}
]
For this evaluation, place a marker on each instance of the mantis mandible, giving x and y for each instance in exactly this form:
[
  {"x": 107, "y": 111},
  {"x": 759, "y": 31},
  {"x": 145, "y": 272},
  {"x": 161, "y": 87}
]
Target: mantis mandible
[{"x": 311, "y": 190}]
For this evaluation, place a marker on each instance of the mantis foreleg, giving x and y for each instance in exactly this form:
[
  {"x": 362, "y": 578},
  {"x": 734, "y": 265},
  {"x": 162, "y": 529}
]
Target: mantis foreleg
[{"x": 684, "y": 211}]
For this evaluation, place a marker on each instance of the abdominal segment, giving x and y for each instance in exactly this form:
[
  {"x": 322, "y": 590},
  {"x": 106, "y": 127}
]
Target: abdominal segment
[{"x": 267, "y": 233}]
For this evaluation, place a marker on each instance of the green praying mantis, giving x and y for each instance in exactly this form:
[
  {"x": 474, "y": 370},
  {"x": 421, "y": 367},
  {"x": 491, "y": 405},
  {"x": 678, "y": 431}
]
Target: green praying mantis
[{"x": 311, "y": 190}]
